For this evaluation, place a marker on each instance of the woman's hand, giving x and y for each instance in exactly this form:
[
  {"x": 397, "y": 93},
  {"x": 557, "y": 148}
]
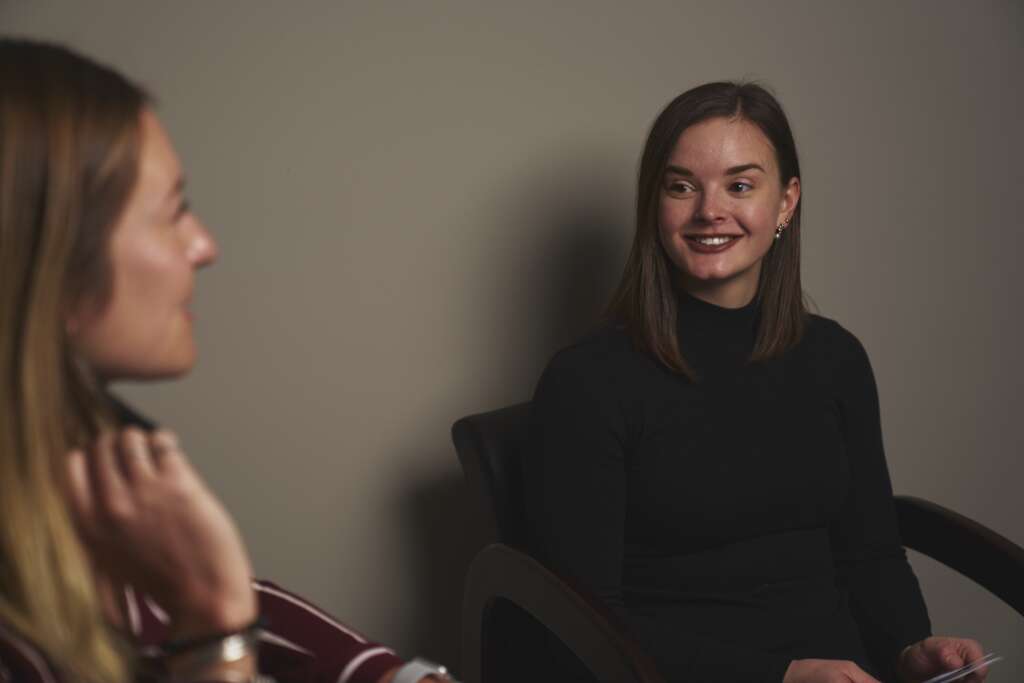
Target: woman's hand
[
  {"x": 825, "y": 671},
  {"x": 939, "y": 654},
  {"x": 149, "y": 520}
]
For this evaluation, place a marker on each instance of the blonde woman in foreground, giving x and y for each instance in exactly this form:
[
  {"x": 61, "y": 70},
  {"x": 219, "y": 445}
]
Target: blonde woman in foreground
[{"x": 117, "y": 563}]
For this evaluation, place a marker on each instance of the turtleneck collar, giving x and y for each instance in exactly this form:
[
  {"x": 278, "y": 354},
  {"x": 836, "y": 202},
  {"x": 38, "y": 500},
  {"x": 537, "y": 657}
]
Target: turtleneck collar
[
  {"x": 691, "y": 305},
  {"x": 714, "y": 338}
]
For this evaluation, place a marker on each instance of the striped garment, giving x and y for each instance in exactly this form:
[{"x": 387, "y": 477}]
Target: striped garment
[{"x": 301, "y": 645}]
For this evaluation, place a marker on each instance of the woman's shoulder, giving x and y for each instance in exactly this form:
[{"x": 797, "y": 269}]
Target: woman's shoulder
[
  {"x": 606, "y": 353},
  {"x": 829, "y": 332},
  {"x": 835, "y": 345},
  {"x": 604, "y": 370},
  {"x": 607, "y": 342}
]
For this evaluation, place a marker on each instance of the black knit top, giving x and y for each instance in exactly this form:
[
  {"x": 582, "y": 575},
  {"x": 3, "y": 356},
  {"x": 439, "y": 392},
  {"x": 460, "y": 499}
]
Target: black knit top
[{"x": 737, "y": 522}]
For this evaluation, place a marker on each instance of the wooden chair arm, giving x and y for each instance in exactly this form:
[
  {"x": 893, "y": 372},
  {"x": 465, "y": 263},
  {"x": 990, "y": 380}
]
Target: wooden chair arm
[
  {"x": 500, "y": 572},
  {"x": 990, "y": 560}
]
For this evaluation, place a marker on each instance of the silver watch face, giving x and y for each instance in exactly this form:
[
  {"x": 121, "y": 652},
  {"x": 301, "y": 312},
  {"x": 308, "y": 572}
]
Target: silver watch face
[
  {"x": 437, "y": 668},
  {"x": 432, "y": 668}
]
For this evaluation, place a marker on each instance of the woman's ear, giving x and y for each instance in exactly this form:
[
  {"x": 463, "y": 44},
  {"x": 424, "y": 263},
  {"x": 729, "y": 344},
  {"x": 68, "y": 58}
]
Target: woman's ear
[{"x": 789, "y": 202}]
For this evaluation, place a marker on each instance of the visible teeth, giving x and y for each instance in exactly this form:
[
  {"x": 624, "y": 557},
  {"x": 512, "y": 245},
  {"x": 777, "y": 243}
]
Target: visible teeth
[{"x": 713, "y": 241}]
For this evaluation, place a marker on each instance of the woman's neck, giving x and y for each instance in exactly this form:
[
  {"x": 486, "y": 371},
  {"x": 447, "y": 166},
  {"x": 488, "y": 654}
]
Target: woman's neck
[{"x": 727, "y": 294}]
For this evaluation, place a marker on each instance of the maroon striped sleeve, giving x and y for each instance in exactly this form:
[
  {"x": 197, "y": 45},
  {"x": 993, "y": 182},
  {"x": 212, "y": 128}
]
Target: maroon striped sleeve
[
  {"x": 302, "y": 644},
  {"x": 341, "y": 654}
]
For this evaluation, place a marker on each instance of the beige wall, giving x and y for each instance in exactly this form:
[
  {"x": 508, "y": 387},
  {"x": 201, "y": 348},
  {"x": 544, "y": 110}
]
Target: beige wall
[{"x": 419, "y": 202}]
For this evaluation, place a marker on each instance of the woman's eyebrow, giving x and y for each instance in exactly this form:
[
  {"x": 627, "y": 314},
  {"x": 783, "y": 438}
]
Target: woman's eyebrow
[{"x": 733, "y": 170}]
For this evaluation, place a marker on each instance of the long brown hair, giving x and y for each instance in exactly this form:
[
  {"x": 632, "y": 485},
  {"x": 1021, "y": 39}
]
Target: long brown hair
[
  {"x": 646, "y": 299},
  {"x": 69, "y": 147}
]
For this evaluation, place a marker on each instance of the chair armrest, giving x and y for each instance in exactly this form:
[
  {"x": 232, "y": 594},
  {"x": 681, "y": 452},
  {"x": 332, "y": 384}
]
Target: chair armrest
[
  {"x": 990, "y": 560},
  {"x": 501, "y": 572}
]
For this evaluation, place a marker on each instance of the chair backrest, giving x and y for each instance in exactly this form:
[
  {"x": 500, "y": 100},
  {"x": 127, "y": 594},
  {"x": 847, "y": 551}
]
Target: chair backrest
[
  {"x": 506, "y": 635},
  {"x": 490, "y": 448}
]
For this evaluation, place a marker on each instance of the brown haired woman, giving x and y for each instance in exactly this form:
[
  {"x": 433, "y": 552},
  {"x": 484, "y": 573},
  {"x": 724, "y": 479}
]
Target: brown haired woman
[
  {"x": 710, "y": 462},
  {"x": 98, "y": 249}
]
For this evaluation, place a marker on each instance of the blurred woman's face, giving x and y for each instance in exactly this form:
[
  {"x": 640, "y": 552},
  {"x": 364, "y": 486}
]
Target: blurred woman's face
[
  {"x": 144, "y": 330},
  {"x": 721, "y": 201}
]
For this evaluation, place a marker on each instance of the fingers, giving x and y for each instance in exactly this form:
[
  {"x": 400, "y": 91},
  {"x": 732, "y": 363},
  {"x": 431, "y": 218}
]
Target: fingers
[
  {"x": 166, "y": 449},
  {"x": 80, "y": 488},
  {"x": 119, "y": 468},
  {"x": 858, "y": 675},
  {"x": 971, "y": 651},
  {"x": 104, "y": 471},
  {"x": 849, "y": 671},
  {"x": 820, "y": 670},
  {"x": 954, "y": 653},
  {"x": 950, "y": 656},
  {"x": 135, "y": 455},
  {"x": 939, "y": 654},
  {"x": 165, "y": 439},
  {"x": 172, "y": 463},
  {"x": 108, "y": 480}
]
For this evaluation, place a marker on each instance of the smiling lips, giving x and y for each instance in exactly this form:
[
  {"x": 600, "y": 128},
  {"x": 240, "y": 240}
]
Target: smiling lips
[{"x": 711, "y": 244}]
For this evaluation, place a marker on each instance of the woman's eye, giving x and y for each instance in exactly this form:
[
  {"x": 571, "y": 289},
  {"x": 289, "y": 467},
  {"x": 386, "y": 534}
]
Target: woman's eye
[
  {"x": 182, "y": 209},
  {"x": 741, "y": 187},
  {"x": 679, "y": 187}
]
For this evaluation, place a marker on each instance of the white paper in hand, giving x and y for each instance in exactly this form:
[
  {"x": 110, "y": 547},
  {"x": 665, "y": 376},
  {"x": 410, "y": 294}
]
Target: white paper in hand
[{"x": 963, "y": 671}]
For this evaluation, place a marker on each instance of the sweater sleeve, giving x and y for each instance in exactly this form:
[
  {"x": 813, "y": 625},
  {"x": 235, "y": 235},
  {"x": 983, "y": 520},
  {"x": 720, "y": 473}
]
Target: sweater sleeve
[
  {"x": 885, "y": 597},
  {"x": 576, "y": 499},
  {"x": 301, "y": 644},
  {"x": 576, "y": 480},
  {"x": 331, "y": 651}
]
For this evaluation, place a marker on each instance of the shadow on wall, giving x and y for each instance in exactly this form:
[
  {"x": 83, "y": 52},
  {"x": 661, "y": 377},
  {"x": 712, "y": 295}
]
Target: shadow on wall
[
  {"x": 446, "y": 535},
  {"x": 544, "y": 278},
  {"x": 582, "y": 266},
  {"x": 555, "y": 260}
]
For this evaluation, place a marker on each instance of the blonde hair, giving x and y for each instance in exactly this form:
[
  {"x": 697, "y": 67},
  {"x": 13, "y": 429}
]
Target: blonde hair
[{"x": 69, "y": 143}]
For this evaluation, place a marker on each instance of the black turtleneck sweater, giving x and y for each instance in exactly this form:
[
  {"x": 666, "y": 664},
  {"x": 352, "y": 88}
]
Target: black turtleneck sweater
[{"x": 737, "y": 522}]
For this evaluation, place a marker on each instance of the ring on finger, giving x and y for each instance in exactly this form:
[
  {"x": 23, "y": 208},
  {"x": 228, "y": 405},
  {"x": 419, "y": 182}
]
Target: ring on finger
[
  {"x": 136, "y": 446},
  {"x": 158, "y": 449}
]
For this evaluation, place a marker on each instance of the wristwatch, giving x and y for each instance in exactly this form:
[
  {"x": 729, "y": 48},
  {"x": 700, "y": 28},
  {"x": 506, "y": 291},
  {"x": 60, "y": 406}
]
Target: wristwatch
[{"x": 416, "y": 669}]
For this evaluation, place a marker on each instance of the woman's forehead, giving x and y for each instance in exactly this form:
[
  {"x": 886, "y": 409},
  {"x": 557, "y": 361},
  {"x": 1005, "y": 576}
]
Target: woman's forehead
[
  {"x": 722, "y": 143},
  {"x": 159, "y": 168}
]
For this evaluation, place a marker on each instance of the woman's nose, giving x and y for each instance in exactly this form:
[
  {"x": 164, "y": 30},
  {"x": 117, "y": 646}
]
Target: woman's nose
[
  {"x": 202, "y": 248},
  {"x": 710, "y": 208}
]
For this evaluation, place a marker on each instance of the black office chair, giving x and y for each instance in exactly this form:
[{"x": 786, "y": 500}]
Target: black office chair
[{"x": 509, "y": 592}]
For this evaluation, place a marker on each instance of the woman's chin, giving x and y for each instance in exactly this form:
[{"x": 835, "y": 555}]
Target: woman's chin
[{"x": 167, "y": 369}]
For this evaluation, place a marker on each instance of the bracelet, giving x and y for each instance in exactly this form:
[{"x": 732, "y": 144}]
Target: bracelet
[
  {"x": 187, "y": 657},
  {"x": 175, "y": 647},
  {"x": 221, "y": 678}
]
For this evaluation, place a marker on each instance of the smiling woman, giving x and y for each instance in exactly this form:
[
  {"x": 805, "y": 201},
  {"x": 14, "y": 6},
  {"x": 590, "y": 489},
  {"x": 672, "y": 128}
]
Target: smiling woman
[
  {"x": 143, "y": 326},
  {"x": 721, "y": 208},
  {"x": 710, "y": 461},
  {"x": 117, "y": 562}
]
